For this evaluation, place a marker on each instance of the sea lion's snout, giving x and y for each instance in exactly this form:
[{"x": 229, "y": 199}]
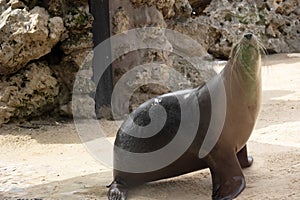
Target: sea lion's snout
[{"x": 248, "y": 36}]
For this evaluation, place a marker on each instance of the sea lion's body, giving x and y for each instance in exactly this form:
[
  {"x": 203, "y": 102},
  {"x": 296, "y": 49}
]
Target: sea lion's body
[{"x": 242, "y": 84}]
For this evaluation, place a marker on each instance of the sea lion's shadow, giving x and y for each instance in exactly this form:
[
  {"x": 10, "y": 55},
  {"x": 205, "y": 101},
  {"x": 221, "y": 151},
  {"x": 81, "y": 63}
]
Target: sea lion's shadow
[{"x": 196, "y": 185}]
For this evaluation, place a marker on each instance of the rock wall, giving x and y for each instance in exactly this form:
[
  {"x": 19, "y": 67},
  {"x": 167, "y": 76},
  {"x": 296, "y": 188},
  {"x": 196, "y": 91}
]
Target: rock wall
[
  {"x": 30, "y": 93},
  {"x": 216, "y": 24},
  {"x": 35, "y": 33},
  {"x": 147, "y": 81},
  {"x": 219, "y": 22},
  {"x": 43, "y": 45}
]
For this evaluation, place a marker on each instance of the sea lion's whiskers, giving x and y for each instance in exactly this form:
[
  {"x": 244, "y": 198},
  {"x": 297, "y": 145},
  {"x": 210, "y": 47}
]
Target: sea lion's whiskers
[
  {"x": 234, "y": 62},
  {"x": 264, "y": 51},
  {"x": 261, "y": 47},
  {"x": 238, "y": 72},
  {"x": 237, "y": 51},
  {"x": 234, "y": 52}
]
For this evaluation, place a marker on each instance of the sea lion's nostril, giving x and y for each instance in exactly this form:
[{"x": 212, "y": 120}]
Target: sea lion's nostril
[{"x": 248, "y": 36}]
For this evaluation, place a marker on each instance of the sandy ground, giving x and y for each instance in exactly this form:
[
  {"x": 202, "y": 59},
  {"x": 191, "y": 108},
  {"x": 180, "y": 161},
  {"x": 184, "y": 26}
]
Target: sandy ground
[{"x": 50, "y": 162}]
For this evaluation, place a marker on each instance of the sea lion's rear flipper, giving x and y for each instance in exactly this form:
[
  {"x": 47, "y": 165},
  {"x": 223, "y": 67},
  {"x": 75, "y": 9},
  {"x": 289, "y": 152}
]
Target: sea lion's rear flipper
[
  {"x": 244, "y": 159},
  {"x": 227, "y": 176},
  {"x": 117, "y": 191}
]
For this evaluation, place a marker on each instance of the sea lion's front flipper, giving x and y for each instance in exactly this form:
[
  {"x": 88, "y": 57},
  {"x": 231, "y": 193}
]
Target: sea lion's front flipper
[
  {"x": 244, "y": 159},
  {"x": 227, "y": 176},
  {"x": 117, "y": 191}
]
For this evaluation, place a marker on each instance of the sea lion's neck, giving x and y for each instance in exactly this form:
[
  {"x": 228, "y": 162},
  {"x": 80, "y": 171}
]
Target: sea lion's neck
[
  {"x": 248, "y": 68},
  {"x": 245, "y": 72},
  {"x": 248, "y": 63}
]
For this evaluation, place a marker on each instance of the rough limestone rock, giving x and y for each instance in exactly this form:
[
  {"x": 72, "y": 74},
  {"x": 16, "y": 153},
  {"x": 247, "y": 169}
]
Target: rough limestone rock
[
  {"x": 145, "y": 82},
  {"x": 182, "y": 9},
  {"x": 78, "y": 43},
  {"x": 25, "y": 36},
  {"x": 76, "y": 49},
  {"x": 199, "y": 6},
  {"x": 221, "y": 22},
  {"x": 82, "y": 106},
  {"x": 196, "y": 70},
  {"x": 165, "y": 6},
  {"x": 120, "y": 21},
  {"x": 183, "y": 74},
  {"x": 170, "y": 54},
  {"x": 56, "y": 38},
  {"x": 28, "y": 94},
  {"x": 78, "y": 19}
]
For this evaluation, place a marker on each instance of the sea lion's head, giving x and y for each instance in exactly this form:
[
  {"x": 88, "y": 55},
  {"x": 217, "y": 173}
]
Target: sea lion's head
[{"x": 247, "y": 53}]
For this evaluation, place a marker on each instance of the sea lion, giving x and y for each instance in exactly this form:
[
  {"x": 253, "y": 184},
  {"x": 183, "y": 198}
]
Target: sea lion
[{"x": 224, "y": 153}]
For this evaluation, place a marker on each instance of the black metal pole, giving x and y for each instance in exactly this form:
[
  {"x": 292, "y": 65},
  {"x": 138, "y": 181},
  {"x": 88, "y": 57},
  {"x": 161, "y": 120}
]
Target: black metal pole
[{"x": 102, "y": 56}]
